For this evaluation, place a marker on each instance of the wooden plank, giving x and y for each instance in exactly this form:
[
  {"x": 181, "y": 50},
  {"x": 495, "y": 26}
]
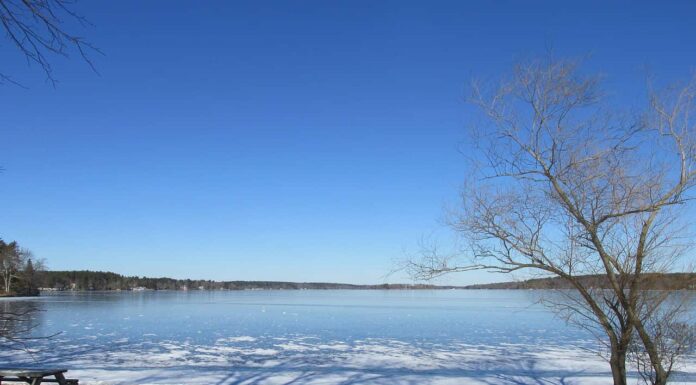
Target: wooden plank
[
  {"x": 60, "y": 378},
  {"x": 68, "y": 381},
  {"x": 30, "y": 372},
  {"x": 35, "y": 376}
]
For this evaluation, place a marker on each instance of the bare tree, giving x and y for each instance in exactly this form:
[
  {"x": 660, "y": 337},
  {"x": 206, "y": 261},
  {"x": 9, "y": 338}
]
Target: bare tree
[
  {"x": 38, "y": 29},
  {"x": 12, "y": 259},
  {"x": 14, "y": 265},
  {"x": 569, "y": 187}
]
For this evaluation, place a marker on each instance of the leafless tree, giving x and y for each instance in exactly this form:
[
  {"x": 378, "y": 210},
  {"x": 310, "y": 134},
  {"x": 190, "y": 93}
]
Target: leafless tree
[
  {"x": 38, "y": 28},
  {"x": 12, "y": 261},
  {"x": 569, "y": 187}
]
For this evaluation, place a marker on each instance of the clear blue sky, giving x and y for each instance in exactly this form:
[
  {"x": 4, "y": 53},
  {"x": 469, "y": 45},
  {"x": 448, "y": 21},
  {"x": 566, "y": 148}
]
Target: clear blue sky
[{"x": 293, "y": 140}]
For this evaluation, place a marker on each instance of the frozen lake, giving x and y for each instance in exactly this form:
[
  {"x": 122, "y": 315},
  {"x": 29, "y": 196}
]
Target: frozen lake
[{"x": 310, "y": 337}]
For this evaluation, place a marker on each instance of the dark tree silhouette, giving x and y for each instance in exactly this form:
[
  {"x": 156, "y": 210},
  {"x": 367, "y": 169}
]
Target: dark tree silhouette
[{"x": 39, "y": 30}]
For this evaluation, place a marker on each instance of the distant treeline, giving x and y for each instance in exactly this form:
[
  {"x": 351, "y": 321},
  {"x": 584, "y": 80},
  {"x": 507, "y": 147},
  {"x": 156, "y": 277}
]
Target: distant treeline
[
  {"x": 103, "y": 281},
  {"x": 671, "y": 281},
  {"x": 99, "y": 280}
]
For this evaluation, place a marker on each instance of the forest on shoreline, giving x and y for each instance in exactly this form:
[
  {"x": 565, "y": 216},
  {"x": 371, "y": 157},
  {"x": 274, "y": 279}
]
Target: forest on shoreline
[
  {"x": 23, "y": 275},
  {"x": 652, "y": 281},
  {"x": 106, "y": 281}
]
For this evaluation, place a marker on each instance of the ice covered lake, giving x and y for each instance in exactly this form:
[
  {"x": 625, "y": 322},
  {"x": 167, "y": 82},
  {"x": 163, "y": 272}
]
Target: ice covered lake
[{"x": 310, "y": 337}]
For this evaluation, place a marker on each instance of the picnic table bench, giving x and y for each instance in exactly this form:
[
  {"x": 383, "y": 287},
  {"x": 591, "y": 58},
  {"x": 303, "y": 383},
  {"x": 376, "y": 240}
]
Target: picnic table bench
[{"x": 35, "y": 376}]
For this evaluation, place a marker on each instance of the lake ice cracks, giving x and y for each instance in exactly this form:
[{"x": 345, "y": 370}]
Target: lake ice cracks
[{"x": 305, "y": 360}]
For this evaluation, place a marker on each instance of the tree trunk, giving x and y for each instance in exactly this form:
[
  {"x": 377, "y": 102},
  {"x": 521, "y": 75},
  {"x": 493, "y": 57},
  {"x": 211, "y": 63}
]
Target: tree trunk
[
  {"x": 6, "y": 280},
  {"x": 617, "y": 361},
  {"x": 660, "y": 375}
]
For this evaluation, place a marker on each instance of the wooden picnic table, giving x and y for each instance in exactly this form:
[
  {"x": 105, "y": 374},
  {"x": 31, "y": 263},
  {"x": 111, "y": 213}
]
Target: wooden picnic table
[{"x": 35, "y": 376}]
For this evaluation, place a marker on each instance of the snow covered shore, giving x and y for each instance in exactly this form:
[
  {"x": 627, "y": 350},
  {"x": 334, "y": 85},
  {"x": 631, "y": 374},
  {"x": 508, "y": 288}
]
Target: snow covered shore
[{"x": 300, "y": 360}]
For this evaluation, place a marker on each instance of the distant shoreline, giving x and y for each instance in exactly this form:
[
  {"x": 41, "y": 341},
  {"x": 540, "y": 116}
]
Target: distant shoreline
[
  {"x": 651, "y": 281},
  {"x": 367, "y": 288},
  {"x": 85, "y": 281},
  {"x": 302, "y": 284}
]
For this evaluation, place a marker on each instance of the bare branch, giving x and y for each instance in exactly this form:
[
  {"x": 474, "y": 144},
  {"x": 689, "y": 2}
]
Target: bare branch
[{"x": 37, "y": 29}]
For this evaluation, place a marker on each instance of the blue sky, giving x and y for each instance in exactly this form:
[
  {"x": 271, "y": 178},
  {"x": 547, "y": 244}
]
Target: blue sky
[{"x": 295, "y": 140}]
